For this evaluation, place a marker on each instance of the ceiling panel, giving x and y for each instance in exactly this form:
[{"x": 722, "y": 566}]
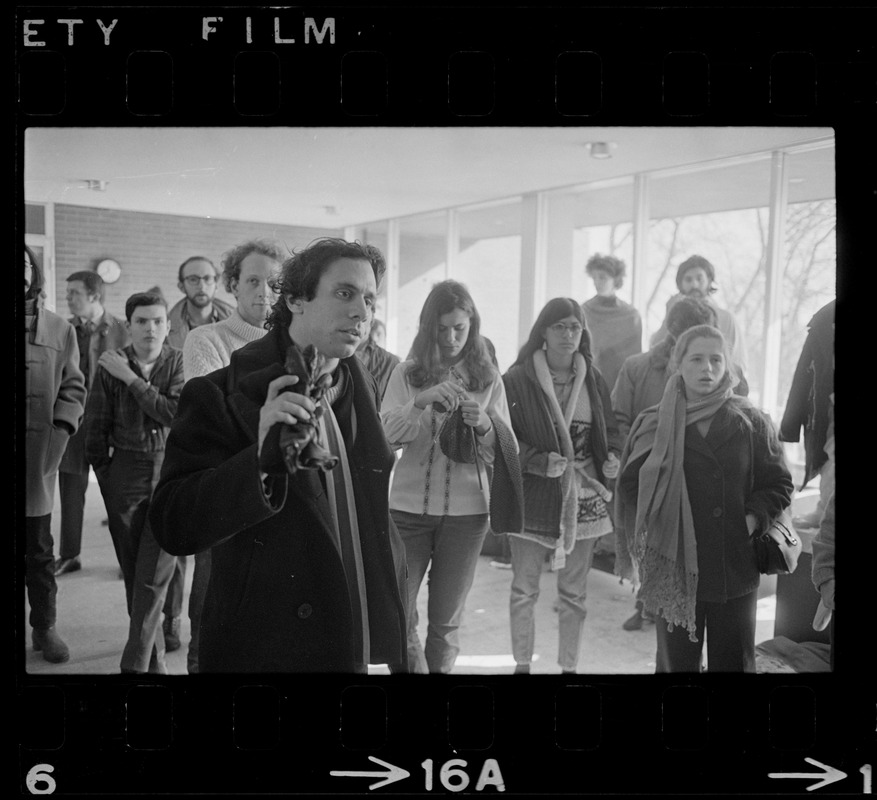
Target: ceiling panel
[{"x": 333, "y": 177}]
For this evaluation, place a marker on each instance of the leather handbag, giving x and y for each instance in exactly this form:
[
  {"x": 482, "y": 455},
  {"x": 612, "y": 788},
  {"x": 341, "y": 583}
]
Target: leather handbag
[{"x": 777, "y": 549}]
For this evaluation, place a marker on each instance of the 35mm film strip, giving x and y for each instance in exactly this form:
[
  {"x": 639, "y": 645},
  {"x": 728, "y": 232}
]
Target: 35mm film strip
[{"x": 462, "y": 66}]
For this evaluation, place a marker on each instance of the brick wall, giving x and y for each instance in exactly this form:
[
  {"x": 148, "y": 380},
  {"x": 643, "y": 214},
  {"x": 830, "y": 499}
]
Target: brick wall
[{"x": 150, "y": 247}]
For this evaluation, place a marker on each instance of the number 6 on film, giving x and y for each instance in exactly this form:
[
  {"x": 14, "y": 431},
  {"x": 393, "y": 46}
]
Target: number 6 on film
[{"x": 39, "y": 773}]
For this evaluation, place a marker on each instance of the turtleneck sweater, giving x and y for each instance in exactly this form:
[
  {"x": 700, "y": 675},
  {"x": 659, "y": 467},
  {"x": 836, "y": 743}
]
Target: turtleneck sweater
[{"x": 209, "y": 347}]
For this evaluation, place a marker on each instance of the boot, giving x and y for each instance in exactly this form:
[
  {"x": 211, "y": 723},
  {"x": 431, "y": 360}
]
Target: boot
[
  {"x": 635, "y": 622},
  {"x": 171, "y": 630},
  {"x": 47, "y": 641}
]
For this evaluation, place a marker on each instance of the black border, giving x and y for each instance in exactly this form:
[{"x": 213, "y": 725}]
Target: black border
[{"x": 743, "y": 742}]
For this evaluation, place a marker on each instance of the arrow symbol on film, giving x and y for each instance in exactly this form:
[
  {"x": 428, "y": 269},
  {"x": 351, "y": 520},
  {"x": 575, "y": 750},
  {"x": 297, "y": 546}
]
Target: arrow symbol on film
[
  {"x": 828, "y": 774},
  {"x": 391, "y": 775}
]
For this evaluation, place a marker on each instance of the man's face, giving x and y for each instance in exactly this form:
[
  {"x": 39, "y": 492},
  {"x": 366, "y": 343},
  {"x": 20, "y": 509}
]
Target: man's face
[
  {"x": 338, "y": 317},
  {"x": 251, "y": 288},
  {"x": 199, "y": 283},
  {"x": 148, "y": 328},
  {"x": 79, "y": 300},
  {"x": 695, "y": 283},
  {"x": 604, "y": 283}
]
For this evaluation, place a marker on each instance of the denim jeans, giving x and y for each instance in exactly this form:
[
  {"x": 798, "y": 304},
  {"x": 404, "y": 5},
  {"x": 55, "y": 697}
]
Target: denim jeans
[
  {"x": 528, "y": 558},
  {"x": 449, "y": 546},
  {"x": 145, "y": 649},
  {"x": 129, "y": 479}
]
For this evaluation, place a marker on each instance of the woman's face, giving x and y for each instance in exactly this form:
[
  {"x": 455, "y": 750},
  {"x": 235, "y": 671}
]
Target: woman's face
[
  {"x": 703, "y": 366},
  {"x": 453, "y": 333},
  {"x": 564, "y": 337}
]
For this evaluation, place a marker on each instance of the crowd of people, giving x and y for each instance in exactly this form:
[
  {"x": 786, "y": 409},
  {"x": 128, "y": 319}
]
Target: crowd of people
[{"x": 320, "y": 481}]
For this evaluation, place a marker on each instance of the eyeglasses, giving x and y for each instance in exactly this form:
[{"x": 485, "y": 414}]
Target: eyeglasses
[
  {"x": 196, "y": 280},
  {"x": 562, "y": 329}
]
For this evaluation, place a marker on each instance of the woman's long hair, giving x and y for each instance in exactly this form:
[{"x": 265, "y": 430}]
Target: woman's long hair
[
  {"x": 37, "y": 278},
  {"x": 741, "y": 407},
  {"x": 428, "y": 369},
  {"x": 557, "y": 309}
]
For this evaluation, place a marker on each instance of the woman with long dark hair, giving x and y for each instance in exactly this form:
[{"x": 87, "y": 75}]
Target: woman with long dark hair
[
  {"x": 569, "y": 446},
  {"x": 700, "y": 473},
  {"x": 440, "y": 502}
]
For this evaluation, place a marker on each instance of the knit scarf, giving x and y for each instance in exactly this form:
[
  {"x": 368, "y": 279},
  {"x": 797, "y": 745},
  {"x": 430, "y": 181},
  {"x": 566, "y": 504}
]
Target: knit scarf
[
  {"x": 569, "y": 481},
  {"x": 656, "y": 539}
]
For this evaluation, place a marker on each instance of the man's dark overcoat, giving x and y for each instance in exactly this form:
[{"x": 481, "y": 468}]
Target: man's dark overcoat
[{"x": 278, "y": 600}]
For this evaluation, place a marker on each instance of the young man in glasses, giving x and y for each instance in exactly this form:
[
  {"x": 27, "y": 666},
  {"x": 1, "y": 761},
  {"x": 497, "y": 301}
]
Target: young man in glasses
[{"x": 197, "y": 280}]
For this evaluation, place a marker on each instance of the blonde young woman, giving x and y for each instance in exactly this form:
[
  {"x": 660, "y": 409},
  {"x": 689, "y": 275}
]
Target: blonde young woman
[{"x": 700, "y": 473}]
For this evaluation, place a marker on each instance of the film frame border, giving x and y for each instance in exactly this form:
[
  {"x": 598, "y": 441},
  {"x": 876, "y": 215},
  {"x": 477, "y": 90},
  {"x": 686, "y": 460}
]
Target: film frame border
[{"x": 778, "y": 713}]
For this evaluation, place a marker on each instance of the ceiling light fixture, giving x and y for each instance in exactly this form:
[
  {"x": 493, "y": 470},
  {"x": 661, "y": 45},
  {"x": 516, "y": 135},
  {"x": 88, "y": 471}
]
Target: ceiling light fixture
[
  {"x": 96, "y": 185},
  {"x": 601, "y": 149}
]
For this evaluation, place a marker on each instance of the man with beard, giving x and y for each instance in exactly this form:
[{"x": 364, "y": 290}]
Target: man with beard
[
  {"x": 307, "y": 568},
  {"x": 696, "y": 277},
  {"x": 197, "y": 277}
]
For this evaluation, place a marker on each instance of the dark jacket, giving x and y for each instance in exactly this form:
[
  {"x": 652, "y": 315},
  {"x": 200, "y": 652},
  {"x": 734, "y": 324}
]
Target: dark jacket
[
  {"x": 278, "y": 600},
  {"x": 136, "y": 416},
  {"x": 379, "y": 362},
  {"x": 533, "y": 424},
  {"x": 110, "y": 334},
  {"x": 729, "y": 473},
  {"x": 812, "y": 386}
]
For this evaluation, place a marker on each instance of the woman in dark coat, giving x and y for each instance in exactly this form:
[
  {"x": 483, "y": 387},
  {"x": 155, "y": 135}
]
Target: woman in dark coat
[
  {"x": 700, "y": 473},
  {"x": 569, "y": 446}
]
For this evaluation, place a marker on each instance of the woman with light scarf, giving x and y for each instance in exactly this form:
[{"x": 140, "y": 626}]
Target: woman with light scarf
[
  {"x": 568, "y": 442},
  {"x": 700, "y": 473}
]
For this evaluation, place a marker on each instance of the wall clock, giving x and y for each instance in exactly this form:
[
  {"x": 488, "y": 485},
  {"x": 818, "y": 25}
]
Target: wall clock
[{"x": 109, "y": 269}]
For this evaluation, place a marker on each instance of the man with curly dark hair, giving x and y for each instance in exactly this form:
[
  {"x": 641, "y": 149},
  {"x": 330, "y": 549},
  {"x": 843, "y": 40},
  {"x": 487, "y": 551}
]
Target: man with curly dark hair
[
  {"x": 615, "y": 326},
  {"x": 308, "y": 571},
  {"x": 247, "y": 270}
]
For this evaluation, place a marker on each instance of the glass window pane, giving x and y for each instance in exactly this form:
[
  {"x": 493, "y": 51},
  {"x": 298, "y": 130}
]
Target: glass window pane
[
  {"x": 489, "y": 264},
  {"x": 34, "y": 219},
  {"x": 722, "y": 215},
  {"x": 602, "y": 225},
  {"x": 810, "y": 267},
  {"x": 422, "y": 262}
]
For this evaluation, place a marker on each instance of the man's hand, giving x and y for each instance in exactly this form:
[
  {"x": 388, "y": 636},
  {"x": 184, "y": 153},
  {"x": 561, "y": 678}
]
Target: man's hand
[
  {"x": 117, "y": 365},
  {"x": 283, "y": 406}
]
